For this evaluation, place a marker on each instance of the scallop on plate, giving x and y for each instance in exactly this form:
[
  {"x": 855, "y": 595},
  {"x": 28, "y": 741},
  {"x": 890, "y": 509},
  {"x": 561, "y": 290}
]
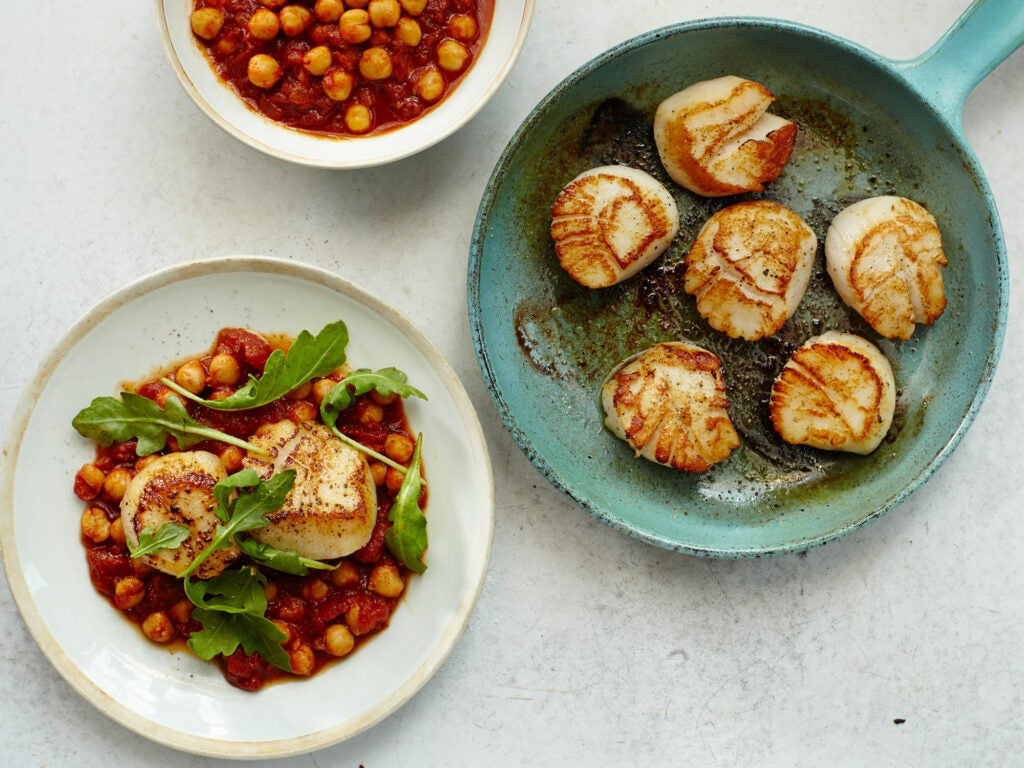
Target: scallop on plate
[
  {"x": 171, "y": 695},
  {"x": 499, "y": 43}
]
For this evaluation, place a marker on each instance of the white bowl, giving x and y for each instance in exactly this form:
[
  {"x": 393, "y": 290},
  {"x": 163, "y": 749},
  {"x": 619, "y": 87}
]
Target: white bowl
[
  {"x": 175, "y": 698},
  {"x": 500, "y": 50}
]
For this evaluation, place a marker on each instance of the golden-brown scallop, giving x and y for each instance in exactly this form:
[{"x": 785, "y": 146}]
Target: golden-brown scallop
[
  {"x": 177, "y": 488},
  {"x": 836, "y": 392},
  {"x": 717, "y": 137},
  {"x": 749, "y": 268},
  {"x": 669, "y": 404},
  {"x": 610, "y": 222},
  {"x": 332, "y": 507},
  {"x": 885, "y": 257}
]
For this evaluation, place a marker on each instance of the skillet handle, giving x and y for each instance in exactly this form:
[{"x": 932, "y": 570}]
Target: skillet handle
[{"x": 982, "y": 38}]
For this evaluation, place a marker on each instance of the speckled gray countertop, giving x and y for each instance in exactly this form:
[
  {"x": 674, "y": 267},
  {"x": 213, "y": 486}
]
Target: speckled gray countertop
[{"x": 898, "y": 645}]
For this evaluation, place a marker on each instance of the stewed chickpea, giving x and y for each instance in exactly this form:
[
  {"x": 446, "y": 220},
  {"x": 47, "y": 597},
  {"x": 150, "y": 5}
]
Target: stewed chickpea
[
  {"x": 295, "y": 19},
  {"x": 358, "y": 118},
  {"x": 274, "y": 4},
  {"x": 315, "y": 589},
  {"x": 399, "y": 447},
  {"x": 285, "y": 630},
  {"x": 375, "y": 64},
  {"x": 413, "y": 7},
  {"x": 129, "y": 592},
  {"x": 371, "y": 414},
  {"x": 452, "y": 55},
  {"x": 191, "y": 376},
  {"x": 207, "y": 22},
  {"x": 322, "y": 386},
  {"x": 462, "y": 26},
  {"x": 264, "y": 71},
  {"x": 408, "y": 31},
  {"x": 303, "y": 410},
  {"x": 95, "y": 525},
  {"x": 429, "y": 86},
  {"x": 89, "y": 482},
  {"x": 116, "y": 484},
  {"x": 384, "y": 13},
  {"x": 379, "y": 471},
  {"x": 181, "y": 611},
  {"x": 337, "y": 84},
  {"x": 117, "y": 531},
  {"x": 354, "y": 26},
  {"x": 345, "y": 575},
  {"x": 393, "y": 480},
  {"x": 263, "y": 24},
  {"x": 328, "y": 11},
  {"x": 339, "y": 640},
  {"x": 317, "y": 60},
  {"x": 168, "y": 394},
  {"x": 158, "y": 627},
  {"x": 231, "y": 457},
  {"x": 302, "y": 659},
  {"x": 224, "y": 369},
  {"x": 386, "y": 580}
]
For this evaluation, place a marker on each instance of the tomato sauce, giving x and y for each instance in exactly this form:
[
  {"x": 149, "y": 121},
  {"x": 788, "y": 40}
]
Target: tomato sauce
[
  {"x": 304, "y": 607},
  {"x": 299, "y": 98}
]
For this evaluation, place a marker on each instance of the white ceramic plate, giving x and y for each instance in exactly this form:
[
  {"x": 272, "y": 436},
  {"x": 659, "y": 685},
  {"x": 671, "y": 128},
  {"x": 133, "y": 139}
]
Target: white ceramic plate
[
  {"x": 175, "y": 698},
  {"x": 504, "y": 42}
]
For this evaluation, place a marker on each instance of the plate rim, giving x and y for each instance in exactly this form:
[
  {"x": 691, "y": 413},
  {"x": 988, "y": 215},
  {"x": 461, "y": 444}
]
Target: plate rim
[{"x": 37, "y": 625}]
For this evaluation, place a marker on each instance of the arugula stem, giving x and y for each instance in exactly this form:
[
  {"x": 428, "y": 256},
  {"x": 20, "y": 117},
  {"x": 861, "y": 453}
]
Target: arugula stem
[{"x": 370, "y": 452}]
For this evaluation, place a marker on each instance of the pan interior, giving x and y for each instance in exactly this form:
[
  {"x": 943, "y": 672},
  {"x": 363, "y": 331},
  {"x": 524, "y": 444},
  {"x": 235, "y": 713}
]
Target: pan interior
[{"x": 545, "y": 344}]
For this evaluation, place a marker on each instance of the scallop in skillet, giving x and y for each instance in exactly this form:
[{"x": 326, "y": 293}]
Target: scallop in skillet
[
  {"x": 885, "y": 258},
  {"x": 177, "y": 488},
  {"x": 610, "y": 222},
  {"x": 836, "y": 392},
  {"x": 332, "y": 507},
  {"x": 669, "y": 403},
  {"x": 718, "y": 138},
  {"x": 749, "y": 267}
]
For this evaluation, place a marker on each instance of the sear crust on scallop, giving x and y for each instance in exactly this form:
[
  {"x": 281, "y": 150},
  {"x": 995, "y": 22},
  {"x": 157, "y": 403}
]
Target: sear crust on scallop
[
  {"x": 177, "y": 488},
  {"x": 669, "y": 404},
  {"x": 885, "y": 258},
  {"x": 837, "y": 393},
  {"x": 332, "y": 507},
  {"x": 717, "y": 137},
  {"x": 749, "y": 268},
  {"x": 610, "y": 222}
]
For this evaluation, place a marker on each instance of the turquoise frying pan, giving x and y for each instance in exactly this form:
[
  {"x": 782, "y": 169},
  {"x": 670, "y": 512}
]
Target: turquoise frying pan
[{"x": 868, "y": 126}]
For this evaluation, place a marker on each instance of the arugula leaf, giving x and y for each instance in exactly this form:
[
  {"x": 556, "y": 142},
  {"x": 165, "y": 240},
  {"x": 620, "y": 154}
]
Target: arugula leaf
[
  {"x": 308, "y": 358},
  {"x": 167, "y": 536},
  {"x": 407, "y": 536},
  {"x": 245, "y": 478},
  {"x": 286, "y": 561},
  {"x": 108, "y": 420}
]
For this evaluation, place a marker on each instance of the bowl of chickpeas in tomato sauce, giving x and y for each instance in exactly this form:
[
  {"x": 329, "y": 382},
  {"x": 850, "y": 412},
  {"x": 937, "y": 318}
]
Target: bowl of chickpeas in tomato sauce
[{"x": 342, "y": 83}]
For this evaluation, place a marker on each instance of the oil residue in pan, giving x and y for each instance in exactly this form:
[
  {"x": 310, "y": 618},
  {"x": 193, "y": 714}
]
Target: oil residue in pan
[{"x": 578, "y": 335}]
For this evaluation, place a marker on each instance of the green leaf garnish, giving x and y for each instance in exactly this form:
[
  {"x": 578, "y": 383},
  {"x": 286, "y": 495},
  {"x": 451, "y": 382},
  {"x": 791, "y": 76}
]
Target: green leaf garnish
[
  {"x": 284, "y": 560},
  {"x": 407, "y": 536},
  {"x": 309, "y": 357},
  {"x": 109, "y": 420},
  {"x": 167, "y": 536}
]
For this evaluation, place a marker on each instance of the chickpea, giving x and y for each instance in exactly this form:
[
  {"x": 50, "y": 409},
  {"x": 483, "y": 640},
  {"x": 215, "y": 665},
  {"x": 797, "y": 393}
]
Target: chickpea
[
  {"x": 430, "y": 85},
  {"x": 399, "y": 447},
  {"x": 393, "y": 480},
  {"x": 224, "y": 369},
  {"x": 207, "y": 22},
  {"x": 181, "y": 611},
  {"x": 339, "y": 640},
  {"x": 328, "y": 11},
  {"x": 384, "y": 13},
  {"x": 225, "y": 47},
  {"x": 315, "y": 589},
  {"x": 117, "y": 531},
  {"x": 295, "y": 19},
  {"x": 303, "y": 410},
  {"x": 264, "y": 24},
  {"x": 273, "y": 4},
  {"x": 380, "y": 399},
  {"x": 286, "y": 630},
  {"x": 264, "y": 71},
  {"x": 270, "y": 592},
  {"x": 379, "y": 472},
  {"x": 140, "y": 568},
  {"x": 302, "y": 659},
  {"x": 317, "y": 60},
  {"x": 301, "y": 392},
  {"x": 116, "y": 483},
  {"x": 144, "y": 461},
  {"x": 413, "y": 7},
  {"x": 462, "y": 27},
  {"x": 408, "y": 31},
  {"x": 452, "y": 56},
  {"x": 157, "y": 627},
  {"x": 191, "y": 376},
  {"x": 231, "y": 457},
  {"x": 372, "y": 414},
  {"x": 322, "y": 386},
  {"x": 354, "y": 26},
  {"x": 345, "y": 575},
  {"x": 386, "y": 580},
  {"x": 358, "y": 118},
  {"x": 129, "y": 592},
  {"x": 89, "y": 482},
  {"x": 168, "y": 394},
  {"x": 95, "y": 524},
  {"x": 375, "y": 64}
]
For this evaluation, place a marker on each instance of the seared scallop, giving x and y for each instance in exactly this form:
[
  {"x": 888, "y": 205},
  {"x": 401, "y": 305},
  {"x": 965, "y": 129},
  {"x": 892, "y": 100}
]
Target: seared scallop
[
  {"x": 718, "y": 138},
  {"x": 177, "y": 488},
  {"x": 837, "y": 393},
  {"x": 332, "y": 507},
  {"x": 610, "y": 222},
  {"x": 885, "y": 257},
  {"x": 749, "y": 268},
  {"x": 669, "y": 404}
]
